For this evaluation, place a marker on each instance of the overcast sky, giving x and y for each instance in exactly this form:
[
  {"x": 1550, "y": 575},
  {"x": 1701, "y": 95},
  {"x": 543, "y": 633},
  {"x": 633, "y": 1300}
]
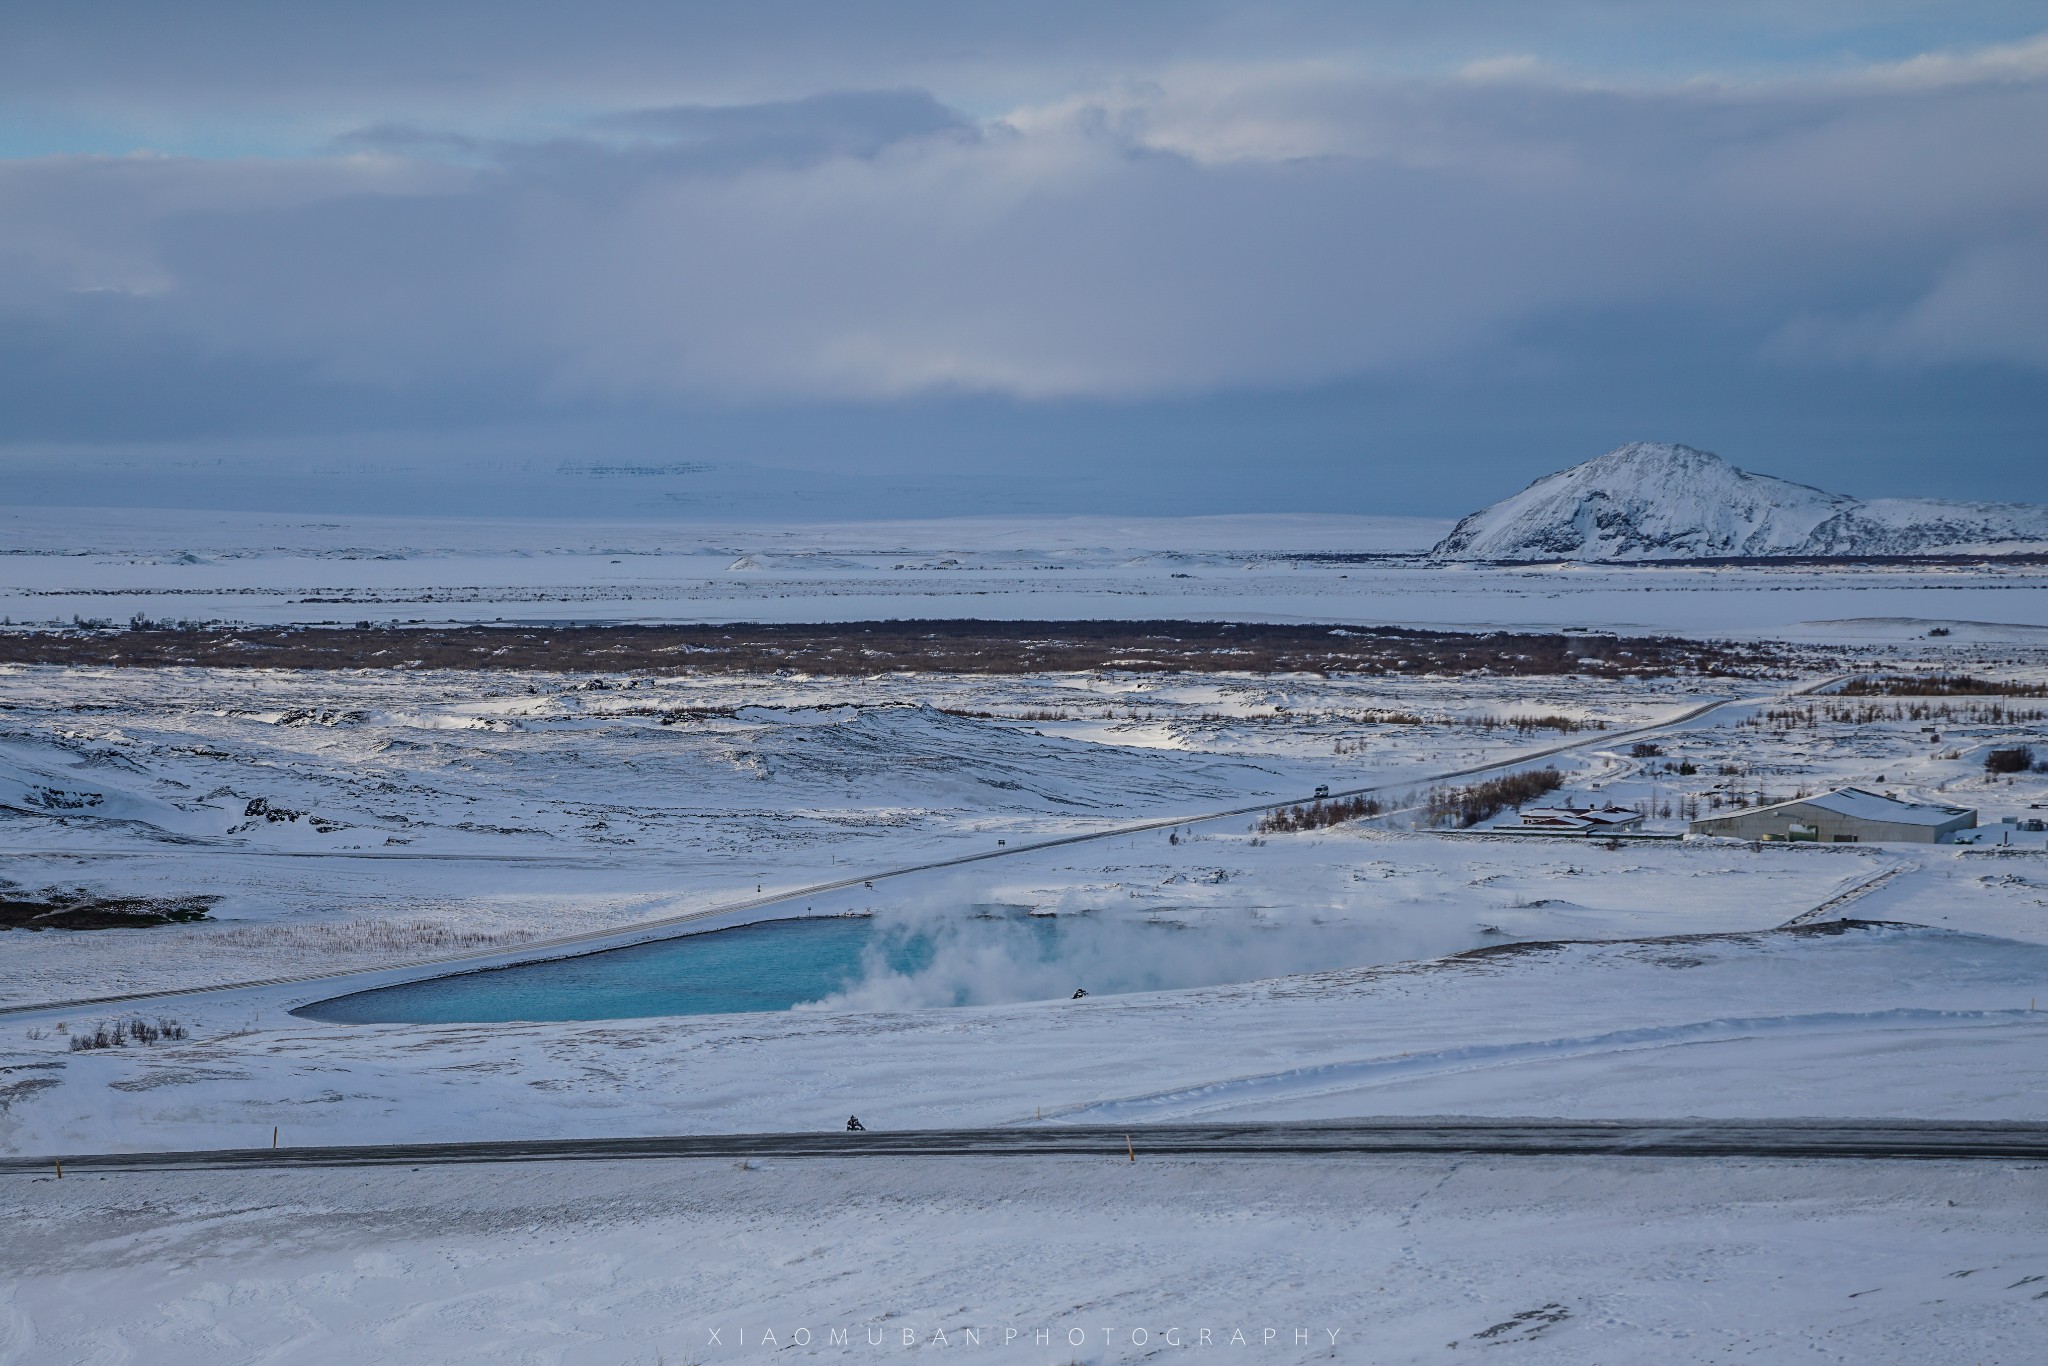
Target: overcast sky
[{"x": 1186, "y": 256}]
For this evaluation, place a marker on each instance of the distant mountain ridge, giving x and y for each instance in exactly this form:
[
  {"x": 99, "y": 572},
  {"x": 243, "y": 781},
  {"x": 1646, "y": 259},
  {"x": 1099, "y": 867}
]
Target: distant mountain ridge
[{"x": 1652, "y": 501}]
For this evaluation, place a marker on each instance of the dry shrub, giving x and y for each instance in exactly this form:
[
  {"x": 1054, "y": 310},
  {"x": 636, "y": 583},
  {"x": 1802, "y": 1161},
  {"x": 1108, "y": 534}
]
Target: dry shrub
[
  {"x": 1878, "y": 713},
  {"x": 1937, "y": 685},
  {"x": 121, "y": 1033},
  {"x": 366, "y": 936},
  {"x": 1467, "y": 806},
  {"x": 1318, "y": 814}
]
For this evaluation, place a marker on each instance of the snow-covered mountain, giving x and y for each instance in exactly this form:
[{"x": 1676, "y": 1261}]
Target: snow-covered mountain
[{"x": 1652, "y": 501}]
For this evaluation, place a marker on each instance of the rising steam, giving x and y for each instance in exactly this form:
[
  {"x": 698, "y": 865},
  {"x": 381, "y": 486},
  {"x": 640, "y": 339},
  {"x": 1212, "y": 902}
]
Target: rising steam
[{"x": 944, "y": 952}]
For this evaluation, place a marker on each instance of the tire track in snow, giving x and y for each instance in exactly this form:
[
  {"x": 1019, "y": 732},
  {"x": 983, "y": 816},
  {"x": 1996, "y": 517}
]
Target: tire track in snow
[
  {"x": 1845, "y": 897},
  {"x": 1190, "y": 1102}
]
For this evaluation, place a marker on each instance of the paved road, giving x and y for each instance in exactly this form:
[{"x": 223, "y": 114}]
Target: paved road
[
  {"x": 1846, "y": 1138},
  {"x": 620, "y": 936}
]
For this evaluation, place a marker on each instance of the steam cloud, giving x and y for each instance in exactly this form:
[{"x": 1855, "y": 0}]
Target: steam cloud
[{"x": 944, "y": 951}]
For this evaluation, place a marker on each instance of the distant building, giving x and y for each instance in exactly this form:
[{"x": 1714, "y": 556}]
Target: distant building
[
  {"x": 1572, "y": 820},
  {"x": 1848, "y": 815}
]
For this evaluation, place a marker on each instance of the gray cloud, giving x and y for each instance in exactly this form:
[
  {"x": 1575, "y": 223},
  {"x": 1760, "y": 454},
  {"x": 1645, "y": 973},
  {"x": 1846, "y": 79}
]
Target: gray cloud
[
  {"x": 110, "y": 56},
  {"x": 846, "y": 123},
  {"x": 1196, "y": 232},
  {"x": 636, "y": 144},
  {"x": 1187, "y": 224}
]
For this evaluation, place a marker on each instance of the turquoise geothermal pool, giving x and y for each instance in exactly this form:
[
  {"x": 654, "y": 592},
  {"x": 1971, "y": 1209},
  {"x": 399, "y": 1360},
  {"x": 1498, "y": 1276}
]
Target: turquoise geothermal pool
[
  {"x": 770, "y": 966},
  {"x": 990, "y": 956}
]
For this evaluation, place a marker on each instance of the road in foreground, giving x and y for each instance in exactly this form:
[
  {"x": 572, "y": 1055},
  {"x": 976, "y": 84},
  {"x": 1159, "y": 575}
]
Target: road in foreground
[{"x": 1819, "y": 1138}]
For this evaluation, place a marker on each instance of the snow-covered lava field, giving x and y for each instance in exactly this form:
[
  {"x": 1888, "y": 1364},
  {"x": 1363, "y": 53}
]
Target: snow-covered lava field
[{"x": 303, "y": 833}]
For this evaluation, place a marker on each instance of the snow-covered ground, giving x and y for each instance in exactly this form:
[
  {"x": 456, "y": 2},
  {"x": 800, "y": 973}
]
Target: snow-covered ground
[
  {"x": 268, "y": 569},
  {"x": 1898, "y": 1021},
  {"x": 439, "y": 814},
  {"x": 513, "y": 807},
  {"x": 356, "y": 822},
  {"x": 558, "y": 835},
  {"x": 1541, "y": 1260},
  {"x": 1062, "y": 1260}
]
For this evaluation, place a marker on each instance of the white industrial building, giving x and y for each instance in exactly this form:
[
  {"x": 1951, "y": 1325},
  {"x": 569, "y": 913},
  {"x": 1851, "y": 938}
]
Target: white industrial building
[{"x": 1848, "y": 815}]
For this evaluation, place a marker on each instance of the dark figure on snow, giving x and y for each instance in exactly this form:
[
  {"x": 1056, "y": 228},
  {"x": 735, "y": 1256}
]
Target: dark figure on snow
[
  {"x": 854, "y": 1126},
  {"x": 1079, "y": 992}
]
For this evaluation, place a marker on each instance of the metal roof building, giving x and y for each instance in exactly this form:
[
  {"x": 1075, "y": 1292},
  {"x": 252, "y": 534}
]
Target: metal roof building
[
  {"x": 1848, "y": 815},
  {"x": 1570, "y": 820}
]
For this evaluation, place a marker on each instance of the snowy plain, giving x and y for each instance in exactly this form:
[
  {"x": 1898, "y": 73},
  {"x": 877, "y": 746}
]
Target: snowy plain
[
  {"x": 271, "y": 569},
  {"x": 356, "y": 822},
  {"x": 1402, "y": 1260}
]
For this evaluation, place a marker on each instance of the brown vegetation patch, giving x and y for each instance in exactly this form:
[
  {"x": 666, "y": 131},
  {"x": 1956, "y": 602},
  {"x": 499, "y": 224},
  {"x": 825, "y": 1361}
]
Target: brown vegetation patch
[
  {"x": 1937, "y": 685},
  {"x": 79, "y": 910},
  {"x": 1318, "y": 814},
  {"x": 873, "y": 647},
  {"x": 1878, "y": 713},
  {"x": 1467, "y": 806}
]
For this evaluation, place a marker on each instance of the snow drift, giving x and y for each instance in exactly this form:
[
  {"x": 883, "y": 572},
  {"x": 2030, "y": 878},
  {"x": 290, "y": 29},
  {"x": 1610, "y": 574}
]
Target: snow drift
[{"x": 1651, "y": 501}]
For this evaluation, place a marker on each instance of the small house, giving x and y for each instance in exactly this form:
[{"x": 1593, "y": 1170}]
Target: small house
[{"x": 1572, "y": 820}]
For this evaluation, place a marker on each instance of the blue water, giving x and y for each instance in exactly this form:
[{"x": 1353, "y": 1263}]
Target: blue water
[
  {"x": 988, "y": 955},
  {"x": 770, "y": 966}
]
